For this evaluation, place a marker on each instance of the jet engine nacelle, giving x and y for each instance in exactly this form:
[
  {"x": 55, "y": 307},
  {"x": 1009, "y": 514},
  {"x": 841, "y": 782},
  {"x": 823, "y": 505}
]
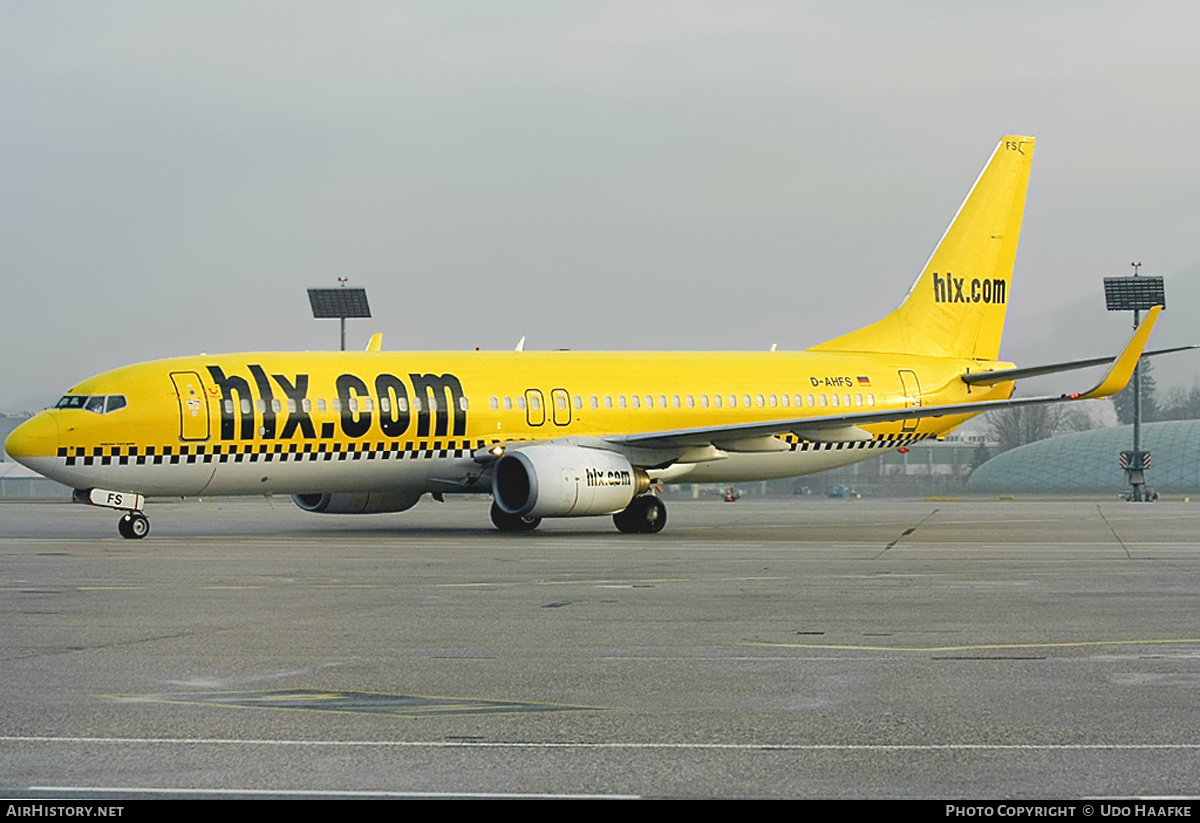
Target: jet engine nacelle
[
  {"x": 565, "y": 481},
  {"x": 357, "y": 502}
]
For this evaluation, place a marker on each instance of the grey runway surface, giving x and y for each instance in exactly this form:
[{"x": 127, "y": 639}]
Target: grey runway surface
[{"x": 797, "y": 648}]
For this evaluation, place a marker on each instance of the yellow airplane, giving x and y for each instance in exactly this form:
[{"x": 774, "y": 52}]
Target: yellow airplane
[{"x": 559, "y": 434}]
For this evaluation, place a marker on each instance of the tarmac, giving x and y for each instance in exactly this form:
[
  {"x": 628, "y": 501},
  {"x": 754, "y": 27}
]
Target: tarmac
[{"x": 767, "y": 648}]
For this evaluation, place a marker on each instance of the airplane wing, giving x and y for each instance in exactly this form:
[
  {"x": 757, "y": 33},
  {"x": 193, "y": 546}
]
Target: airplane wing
[{"x": 758, "y": 437}]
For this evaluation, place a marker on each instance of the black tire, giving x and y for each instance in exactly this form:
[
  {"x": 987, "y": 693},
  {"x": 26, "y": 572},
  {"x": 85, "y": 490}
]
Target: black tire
[
  {"x": 643, "y": 515},
  {"x": 654, "y": 515},
  {"x": 134, "y": 526},
  {"x": 506, "y": 522},
  {"x": 626, "y": 521}
]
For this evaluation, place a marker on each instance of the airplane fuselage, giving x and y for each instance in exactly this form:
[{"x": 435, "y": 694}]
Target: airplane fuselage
[
  {"x": 562, "y": 434},
  {"x": 306, "y": 423}
]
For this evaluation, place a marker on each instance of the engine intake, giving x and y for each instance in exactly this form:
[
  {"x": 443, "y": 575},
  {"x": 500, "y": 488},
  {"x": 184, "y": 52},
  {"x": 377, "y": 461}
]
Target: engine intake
[{"x": 565, "y": 481}]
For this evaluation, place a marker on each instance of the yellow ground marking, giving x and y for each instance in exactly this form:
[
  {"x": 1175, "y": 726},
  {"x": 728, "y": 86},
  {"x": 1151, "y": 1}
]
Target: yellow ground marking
[
  {"x": 485, "y": 585},
  {"x": 984, "y": 647}
]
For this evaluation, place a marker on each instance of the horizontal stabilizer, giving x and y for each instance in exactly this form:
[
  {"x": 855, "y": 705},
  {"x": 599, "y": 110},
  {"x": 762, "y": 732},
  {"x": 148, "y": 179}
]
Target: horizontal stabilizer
[
  {"x": 991, "y": 378},
  {"x": 846, "y": 427}
]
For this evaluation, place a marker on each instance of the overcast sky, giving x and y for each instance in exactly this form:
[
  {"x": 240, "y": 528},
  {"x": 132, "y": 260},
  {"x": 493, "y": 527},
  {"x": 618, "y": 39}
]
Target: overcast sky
[{"x": 613, "y": 175}]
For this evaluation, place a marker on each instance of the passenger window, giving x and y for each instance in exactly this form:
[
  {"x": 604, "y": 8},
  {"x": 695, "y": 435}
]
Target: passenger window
[
  {"x": 494, "y": 404},
  {"x": 704, "y": 401},
  {"x": 402, "y": 404},
  {"x": 662, "y": 400},
  {"x": 276, "y": 406},
  {"x": 229, "y": 407},
  {"x": 306, "y": 405},
  {"x": 675, "y": 400},
  {"x": 733, "y": 401},
  {"x": 385, "y": 405},
  {"x": 782, "y": 397},
  {"x": 508, "y": 404},
  {"x": 245, "y": 406},
  {"x": 621, "y": 401},
  {"x": 595, "y": 402},
  {"x": 762, "y": 401},
  {"x": 321, "y": 405},
  {"x": 636, "y": 401},
  {"x": 649, "y": 401},
  {"x": 607, "y": 402},
  {"x": 717, "y": 401},
  {"x": 824, "y": 400},
  {"x": 462, "y": 403},
  {"x": 578, "y": 402},
  {"x": 834, "y": 399}
]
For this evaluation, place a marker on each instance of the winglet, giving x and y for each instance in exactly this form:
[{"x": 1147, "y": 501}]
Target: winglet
[
  {"x": 1120, "y": 372},
  {"x": 376, "y": 342}
]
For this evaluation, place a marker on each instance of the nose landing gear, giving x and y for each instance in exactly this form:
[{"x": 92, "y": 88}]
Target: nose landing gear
[{"x": 134, "y": 526}]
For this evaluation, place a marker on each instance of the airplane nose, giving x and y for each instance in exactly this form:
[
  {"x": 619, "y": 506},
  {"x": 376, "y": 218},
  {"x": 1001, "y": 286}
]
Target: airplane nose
[{"x": 36, "y": 437}]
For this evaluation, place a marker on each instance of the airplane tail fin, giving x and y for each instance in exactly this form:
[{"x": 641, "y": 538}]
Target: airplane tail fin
[{"x": 956, "y": 307}]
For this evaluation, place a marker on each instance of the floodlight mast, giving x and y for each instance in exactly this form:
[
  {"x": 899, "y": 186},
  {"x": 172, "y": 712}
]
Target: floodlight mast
[
  {"x": 1134, "y": 294},
  {"x": 340, "y": 303}
]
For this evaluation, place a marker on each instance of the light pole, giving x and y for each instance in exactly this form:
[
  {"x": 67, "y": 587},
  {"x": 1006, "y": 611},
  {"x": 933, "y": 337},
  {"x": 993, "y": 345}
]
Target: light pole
[
  {"x": 1135, "y": 294},
  {"x": 340, "y": 302}
]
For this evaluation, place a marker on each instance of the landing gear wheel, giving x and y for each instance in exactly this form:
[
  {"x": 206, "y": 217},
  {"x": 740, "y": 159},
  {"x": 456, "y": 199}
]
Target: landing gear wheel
[
  {"x": 134, "y": 526},
  {"x": 643, "y": 515},
  {"x": 506, "y": 522}
]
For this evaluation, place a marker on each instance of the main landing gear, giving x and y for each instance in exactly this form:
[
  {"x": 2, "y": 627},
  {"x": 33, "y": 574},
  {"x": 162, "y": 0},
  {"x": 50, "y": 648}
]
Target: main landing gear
[
  {"x": 643, "y": 515},
  {"x": 506, "y": 522}
]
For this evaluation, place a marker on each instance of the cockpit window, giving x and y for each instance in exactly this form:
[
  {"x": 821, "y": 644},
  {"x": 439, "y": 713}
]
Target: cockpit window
[{"x": 97, "y": 403}]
